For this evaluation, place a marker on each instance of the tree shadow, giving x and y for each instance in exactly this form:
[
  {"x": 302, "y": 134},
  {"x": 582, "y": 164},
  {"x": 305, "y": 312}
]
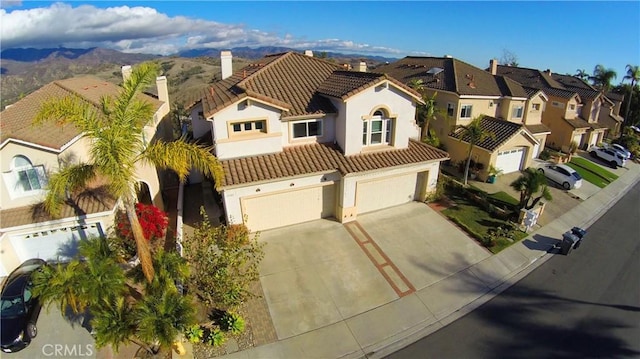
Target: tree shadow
[{"x": 541, "y": 243}]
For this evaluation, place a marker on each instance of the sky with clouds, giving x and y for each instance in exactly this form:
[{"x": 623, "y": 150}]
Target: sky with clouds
[{"x": 563, "y": 36}]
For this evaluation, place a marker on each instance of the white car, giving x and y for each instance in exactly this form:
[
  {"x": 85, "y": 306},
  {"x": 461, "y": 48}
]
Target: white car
[
  {"x": 622, "y": 150},
  {"x": 563, "y": 175},
  {"x": 608, "y": 155}
]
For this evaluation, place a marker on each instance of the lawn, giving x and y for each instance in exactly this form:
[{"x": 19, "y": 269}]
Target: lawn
[
  {"x": 477, "y": 222},
  {"x": 592, "y": 172}
]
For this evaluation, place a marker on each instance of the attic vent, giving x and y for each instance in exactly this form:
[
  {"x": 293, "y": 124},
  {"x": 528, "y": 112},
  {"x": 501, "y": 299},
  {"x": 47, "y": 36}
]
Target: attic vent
[{"x": 435, "y": 70}]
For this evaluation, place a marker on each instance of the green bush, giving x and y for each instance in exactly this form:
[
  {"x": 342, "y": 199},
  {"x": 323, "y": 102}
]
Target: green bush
[
  {"x": 232, "y": 322},
  {"x": 544, "y": 155},
  {"x": 194, "y": 333},
  {"x": 214, "y": 337}
]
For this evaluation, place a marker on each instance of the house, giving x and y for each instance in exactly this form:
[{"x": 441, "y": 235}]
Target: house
[
  {"x": 573, "y": 110},
  {"x": 300, "y": 138},
  {"x": 511, "y": 112},
  {"x": 610, "y": 113},
  {"x": 29, "y": 153}
]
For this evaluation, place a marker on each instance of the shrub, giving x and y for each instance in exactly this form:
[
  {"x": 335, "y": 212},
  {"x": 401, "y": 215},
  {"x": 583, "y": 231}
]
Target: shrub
[
  {"x": 153, "y": 221},
  {"x": 194, "y": 333},
  {"x": 214, "y": 337},
  {"x": 232, "y": 322},
  {"x": 544, "y": 155}
]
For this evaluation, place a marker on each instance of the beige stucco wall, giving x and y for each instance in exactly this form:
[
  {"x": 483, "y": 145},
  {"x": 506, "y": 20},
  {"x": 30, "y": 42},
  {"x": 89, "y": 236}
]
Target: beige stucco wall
[{"x": 532, "y": 116}]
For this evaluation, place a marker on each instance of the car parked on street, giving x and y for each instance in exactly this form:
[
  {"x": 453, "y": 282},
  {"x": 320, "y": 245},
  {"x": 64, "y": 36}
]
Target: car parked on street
[
  {"x": 608, "y": 155},
  {"x": 564, "y": 175},
  {"x": 19, "y": 309}
]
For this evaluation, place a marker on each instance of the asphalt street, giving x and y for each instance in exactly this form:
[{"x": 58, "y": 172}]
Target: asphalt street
[{"x": 584, "y": 305}]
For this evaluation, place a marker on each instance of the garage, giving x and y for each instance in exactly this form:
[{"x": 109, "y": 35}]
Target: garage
[
  {"x": 58, "y": 244},
  {"x": 386, "y": 192},
  {"x": 510, "y": 160},
  {"x": 290, "y": 207}
]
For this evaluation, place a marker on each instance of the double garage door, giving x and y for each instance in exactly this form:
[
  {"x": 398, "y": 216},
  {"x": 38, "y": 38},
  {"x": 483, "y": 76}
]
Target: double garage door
[
  {"x": 510, "y": 160},
  {"x": 291, "y": 207}
]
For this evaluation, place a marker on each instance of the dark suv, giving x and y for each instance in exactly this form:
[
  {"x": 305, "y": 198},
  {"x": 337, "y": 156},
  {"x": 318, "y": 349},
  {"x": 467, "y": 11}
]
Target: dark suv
[{"x": 19, "y": 308}]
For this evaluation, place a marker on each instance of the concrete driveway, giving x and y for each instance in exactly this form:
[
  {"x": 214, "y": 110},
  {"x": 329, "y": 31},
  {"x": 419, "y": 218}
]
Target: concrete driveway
[{"x": 323, "y": 272}]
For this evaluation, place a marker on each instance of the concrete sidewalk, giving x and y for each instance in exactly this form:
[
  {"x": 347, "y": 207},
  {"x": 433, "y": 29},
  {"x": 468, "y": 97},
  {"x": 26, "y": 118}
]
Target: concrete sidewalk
[{"x": 384, "y": 329}]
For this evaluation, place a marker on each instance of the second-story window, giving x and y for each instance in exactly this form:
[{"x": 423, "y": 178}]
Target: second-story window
[
  {"x": 310, "y": 128},
  {"x": 24, "y": 179},
  {"x": 377, "y": 130},
  {"x": 465, "y": 111},
  {"x": 249, "y": 127},
  {"x": 517, "y": 112},
  {"x": 536, "y": 107},
  {"x": 450, "y": 109}
]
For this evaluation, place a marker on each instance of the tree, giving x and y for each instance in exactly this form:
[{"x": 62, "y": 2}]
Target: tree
[
  {"x": 509, "y": 58},
  {"x": 528, "y": 184},
  {"x": 582, "y": 74},
  {"x": 473, "y": 133},
  {"x": 115, "y": 130},
  {"x": 633, "y": 75},
  {"x": 602, "y": 77},
  {"x": 224, "y": 261},
  {"x": 427, "y": 112}
]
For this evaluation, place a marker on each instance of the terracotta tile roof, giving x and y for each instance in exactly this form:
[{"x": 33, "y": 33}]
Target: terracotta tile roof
[
  {"x": 318, "y": 158},
  {"x": 578, "y": 123},
  {"x": 501, "y": 129},
  {"x": 88, "y": 202},
  {"x": 16, "y": 120},
  {"x": 456, "y": 76},
  {"x": 539, "y": 128},
  {"x": 344, "y": 84}
]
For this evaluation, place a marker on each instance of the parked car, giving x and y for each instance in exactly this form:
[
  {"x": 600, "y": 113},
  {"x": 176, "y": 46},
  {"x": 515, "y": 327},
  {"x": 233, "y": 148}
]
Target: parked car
[
  {"x": 608, "y": 155},
  {"x": 622, "y": 150},
  {"x": 563, "y": 175},
  {"x": 19, "y": 309}
]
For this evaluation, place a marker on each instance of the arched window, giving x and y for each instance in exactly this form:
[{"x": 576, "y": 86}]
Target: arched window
[
  {"x": 25, "y": 177},
  {"x": 377, "y": 130}
]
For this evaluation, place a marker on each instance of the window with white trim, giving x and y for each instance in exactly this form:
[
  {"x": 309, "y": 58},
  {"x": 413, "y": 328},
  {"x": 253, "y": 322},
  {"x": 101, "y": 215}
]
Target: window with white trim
[
  {"x": 517, "y": 112},
  {"x": 465, "y": 111},
  {"x": 24, "y": 178},
  {"x": 536, "y": 107},
  {"x": 450, "y": 109},
  {"x": 557, "y": 104},
  {"x": 377, "y": 130},
  {"x": 309, "y": 128},
  {"x": 249, "y": 127}
]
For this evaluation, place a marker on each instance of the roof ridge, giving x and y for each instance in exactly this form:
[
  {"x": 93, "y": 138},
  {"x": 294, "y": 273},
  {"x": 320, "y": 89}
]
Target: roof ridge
[{"x": 455, "y": 78}]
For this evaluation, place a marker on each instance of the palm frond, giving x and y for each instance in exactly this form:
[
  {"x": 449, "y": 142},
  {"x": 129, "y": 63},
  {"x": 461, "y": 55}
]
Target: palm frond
[
  {"x": 66, "y": 180},
  {"x": 69, "y": 110}
]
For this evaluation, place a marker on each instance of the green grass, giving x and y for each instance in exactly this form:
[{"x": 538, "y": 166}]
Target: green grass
[
  {"x": 592, "y": 172},
  {"x": 504, "y": 197}
]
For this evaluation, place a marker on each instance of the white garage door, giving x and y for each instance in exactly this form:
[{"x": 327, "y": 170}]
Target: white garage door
[
  {"x": 510, "y": 160},
  {"x": 283, "y": 209},
  {"x": 58, "y": 244},
  {"x": 386, "y": 192}
]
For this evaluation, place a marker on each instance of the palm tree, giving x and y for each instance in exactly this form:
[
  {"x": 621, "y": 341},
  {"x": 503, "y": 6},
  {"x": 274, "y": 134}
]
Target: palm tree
[
  {"x": 113, "y": 324},
  {"x": 633, "y": 75},
  {"x": 427, "y": 112},
  {"x": 529, "y": 183},
  {"x": 115, "y": 130},
  {"x": 602, "y": 77},
  {"x": 416, "y": 84},
  {"x": 473, "y": 133},
  {"x": 582, "y": 74}
]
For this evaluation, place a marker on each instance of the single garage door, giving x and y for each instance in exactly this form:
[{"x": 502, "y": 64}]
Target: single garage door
[
  {"x": 58, "y": 244},
  {"x": 510, "y": 160},
  {"x": 385, "y": 192},
  {"x": 291, "y": 207}
]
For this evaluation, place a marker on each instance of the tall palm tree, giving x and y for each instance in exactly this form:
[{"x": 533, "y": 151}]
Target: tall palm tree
[
  {"x": 115, "y": 130},
  {"x": 473, "y": 133},
  {"x": 582, "y": 74},
  {"x": 633, "y": 75},
  {"x": 602, "y": 77},
  {"x": 528, "y": 184},
  {"x": 427, "y": 112}
]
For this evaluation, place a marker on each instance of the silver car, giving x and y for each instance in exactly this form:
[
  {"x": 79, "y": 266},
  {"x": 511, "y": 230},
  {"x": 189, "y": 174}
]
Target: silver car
[{"x": 563, "y": 175}]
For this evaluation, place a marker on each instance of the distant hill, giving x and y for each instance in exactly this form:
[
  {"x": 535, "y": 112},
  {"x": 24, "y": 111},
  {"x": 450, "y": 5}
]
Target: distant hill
[{"x": 25, "y": 70}]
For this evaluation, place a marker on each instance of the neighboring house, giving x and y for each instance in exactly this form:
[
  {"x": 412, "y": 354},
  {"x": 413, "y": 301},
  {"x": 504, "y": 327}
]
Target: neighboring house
[
  {"x": 573, "y": 110},
  {"x": 29, "y": 153},
  {"x": 610, "y": 114},
  {"x": 464, "y": 92},
  {"x": 300, "y": 138}
]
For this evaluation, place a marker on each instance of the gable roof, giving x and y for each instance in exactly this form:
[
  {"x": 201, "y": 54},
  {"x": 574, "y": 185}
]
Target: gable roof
[
  {"x": 319, "y": 158},
  {"x": 344, "y": 84},
  {"x": 501, "y": 129},
  {"x": 16, "y": 121},
  {"x": 452, "y": 75}
]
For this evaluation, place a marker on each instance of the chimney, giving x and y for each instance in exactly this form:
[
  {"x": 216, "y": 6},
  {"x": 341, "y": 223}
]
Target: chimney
[
  {"x": 448, "y": 56},
  {"x": 493, "y": 66},
  {"x": 548, "y": 72},
  {"x": 308, "y": 53},
  {"x": 163, "y": 90},
  {"x": 126, "y": 72},
  {"x": 226, "y": 64},
  {"x": 362, "y": 66}
]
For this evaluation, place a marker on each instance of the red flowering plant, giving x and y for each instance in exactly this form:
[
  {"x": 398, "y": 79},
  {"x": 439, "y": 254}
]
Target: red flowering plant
[{"x": 153, "y": 221}]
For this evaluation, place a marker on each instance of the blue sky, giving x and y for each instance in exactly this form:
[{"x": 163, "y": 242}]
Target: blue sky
[{"x": 562, "y": 36}]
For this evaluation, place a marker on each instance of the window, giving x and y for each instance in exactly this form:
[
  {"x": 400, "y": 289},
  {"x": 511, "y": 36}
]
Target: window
[
  {"x": 377, "y": 130},
  {"x": 24, "y": 178},
  {"x": 517, "y": 112},
  {"x": 311, "y": 128},
  {"x": 536, "y": 107},
  {"x": 465, "y": 111},
  {"x": 450, "y": 109},
  {"x": 572, "y": 107},
  {"x": 557, "y": 104},
  {"x": 249, "y": 127}
]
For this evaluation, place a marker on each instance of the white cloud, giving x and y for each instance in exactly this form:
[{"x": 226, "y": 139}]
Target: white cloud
[{"x": 144, "y": 30}]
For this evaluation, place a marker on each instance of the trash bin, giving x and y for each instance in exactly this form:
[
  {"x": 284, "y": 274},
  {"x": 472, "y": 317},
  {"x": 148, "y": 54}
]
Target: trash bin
[{"x": 568, "y": 241}]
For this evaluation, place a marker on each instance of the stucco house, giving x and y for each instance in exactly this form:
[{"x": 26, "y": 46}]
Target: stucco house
[
  {"x": 610, "y": 114},
  {"x": 29, "y": 153},
  {"x": 301, "y": 138},
  {"x": 573, "y": 110},
  {"x": 512, "y": 113}
]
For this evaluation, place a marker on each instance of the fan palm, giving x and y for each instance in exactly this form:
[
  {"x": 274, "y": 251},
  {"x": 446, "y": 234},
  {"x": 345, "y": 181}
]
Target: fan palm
[
  {"x": 473, "y": 133},
  {"x": 115, "y": 129},
  {"x": 602, "y": 77}
]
